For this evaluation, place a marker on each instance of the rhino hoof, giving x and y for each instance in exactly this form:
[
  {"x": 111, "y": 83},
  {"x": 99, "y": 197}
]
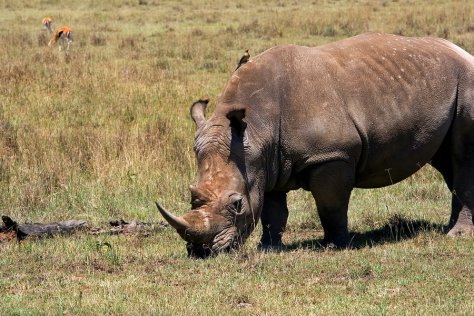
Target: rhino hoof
[
  {"x": 338, "y": 244},
  {"x": 332, "y": 246},
  {"x": 271, "y": 248},
  {"x": 461, "y": 230}
]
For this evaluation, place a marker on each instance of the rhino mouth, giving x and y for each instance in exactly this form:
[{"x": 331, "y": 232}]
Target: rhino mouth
[
  {"x": 210, "y": 237},
  {"x": 199, "y": 251},
  {"x": 226, "y": 241}
]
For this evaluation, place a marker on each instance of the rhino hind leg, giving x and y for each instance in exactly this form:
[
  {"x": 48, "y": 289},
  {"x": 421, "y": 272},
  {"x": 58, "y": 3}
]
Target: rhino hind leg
[
  {"x": 462, "y": 153},
  {"x": 462, "y": 213},
  {"x": 455, "y": 161},
  {"x": 331, "y": 184},
  {"x": 273, "y": 218}
]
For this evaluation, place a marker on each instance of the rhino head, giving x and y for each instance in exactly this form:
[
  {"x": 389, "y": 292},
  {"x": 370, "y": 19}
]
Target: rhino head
[{"x": 222, "y": 211}]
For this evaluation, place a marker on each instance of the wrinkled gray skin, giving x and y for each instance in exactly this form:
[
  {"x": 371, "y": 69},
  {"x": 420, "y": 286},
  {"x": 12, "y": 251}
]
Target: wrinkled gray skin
[{"x": 364, "y": 112}]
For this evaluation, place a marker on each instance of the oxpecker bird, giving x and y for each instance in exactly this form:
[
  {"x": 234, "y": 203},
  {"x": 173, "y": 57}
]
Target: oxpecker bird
[{"x": 244, "y": 59}]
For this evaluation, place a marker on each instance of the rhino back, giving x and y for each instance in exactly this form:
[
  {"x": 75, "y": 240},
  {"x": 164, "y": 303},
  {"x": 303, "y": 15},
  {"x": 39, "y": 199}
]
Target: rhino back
[{"x": 383, "y": 103}]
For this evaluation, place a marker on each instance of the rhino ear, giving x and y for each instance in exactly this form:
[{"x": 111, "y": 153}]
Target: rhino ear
[
  {"x": 197, "y": 111},
  {"x": 237, "y": 123}
]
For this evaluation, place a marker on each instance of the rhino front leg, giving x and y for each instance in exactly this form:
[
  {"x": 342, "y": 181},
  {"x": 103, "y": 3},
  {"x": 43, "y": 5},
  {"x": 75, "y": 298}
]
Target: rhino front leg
[
  {"x": 331, "y": 184},
  {"x": 274, "y": 217}
]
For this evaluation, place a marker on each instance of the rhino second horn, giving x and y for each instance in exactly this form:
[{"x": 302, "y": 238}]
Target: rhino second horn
[{"x": 177, "y": 222}]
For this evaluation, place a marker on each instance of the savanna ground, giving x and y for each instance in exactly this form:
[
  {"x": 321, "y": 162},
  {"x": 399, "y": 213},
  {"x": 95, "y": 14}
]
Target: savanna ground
[{"x": 102, "y": 131}]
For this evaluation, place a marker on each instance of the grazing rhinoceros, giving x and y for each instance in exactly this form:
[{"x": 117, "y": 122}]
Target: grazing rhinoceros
[{"x": 363, "y": 112}]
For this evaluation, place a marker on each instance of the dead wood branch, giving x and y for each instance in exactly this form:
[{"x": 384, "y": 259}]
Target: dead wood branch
[{"x": 41, "y": 230}]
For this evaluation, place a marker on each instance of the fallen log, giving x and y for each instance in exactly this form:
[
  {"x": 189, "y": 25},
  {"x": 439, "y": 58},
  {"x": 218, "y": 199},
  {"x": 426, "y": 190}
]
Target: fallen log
[
  {"x": 11, "y": 229},
  {"x": 41, "y": 230},
  {"x": 122, "y": 227}
]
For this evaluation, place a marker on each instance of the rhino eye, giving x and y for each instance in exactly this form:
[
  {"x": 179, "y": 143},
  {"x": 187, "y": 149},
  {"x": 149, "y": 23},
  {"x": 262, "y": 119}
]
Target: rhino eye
[{"x": 197, "y": 203}]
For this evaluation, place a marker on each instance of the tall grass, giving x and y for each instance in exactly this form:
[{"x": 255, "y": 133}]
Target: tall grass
[
  {"x": 103, "y": 130},
  {"x": 105, "y": 126}
]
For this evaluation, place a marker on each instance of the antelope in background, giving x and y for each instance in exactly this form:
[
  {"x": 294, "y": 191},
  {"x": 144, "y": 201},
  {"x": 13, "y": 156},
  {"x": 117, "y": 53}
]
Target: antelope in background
[
  {"x": 64, "y": 36},
  {"x": 47, "y": 24}
]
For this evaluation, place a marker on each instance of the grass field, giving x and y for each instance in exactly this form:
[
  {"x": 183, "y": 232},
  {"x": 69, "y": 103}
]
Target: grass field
[{"x": 102, "y": 131}]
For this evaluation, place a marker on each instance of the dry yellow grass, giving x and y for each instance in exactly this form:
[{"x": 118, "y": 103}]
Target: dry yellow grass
[{"x": 103, "y": 130}]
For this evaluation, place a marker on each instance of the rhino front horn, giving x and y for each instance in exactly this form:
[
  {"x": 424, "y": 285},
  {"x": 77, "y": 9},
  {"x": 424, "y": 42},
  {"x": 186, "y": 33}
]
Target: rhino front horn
[{"x": 177, "y": 222}]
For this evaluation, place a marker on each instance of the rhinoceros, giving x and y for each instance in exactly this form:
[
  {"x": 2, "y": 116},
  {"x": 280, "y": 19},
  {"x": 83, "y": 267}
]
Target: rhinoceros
[{"x": 363, "y": 112}]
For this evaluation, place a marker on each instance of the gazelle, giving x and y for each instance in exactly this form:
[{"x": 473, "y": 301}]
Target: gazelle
[
  {"x": 47, "y": 24},
  {"x": 64, "y": 35}
]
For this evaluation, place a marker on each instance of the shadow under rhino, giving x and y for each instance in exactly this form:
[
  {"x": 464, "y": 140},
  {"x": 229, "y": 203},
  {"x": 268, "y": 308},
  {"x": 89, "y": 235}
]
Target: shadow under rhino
[{"x": 395, "y": 230}]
